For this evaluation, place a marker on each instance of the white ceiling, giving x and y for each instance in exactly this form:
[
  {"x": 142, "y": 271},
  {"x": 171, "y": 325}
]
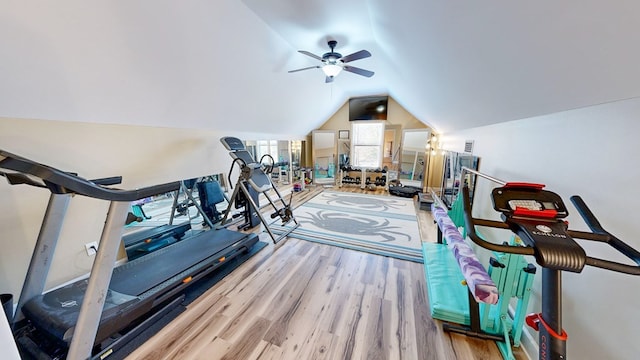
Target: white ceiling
[{"x": 223, "y": 64}]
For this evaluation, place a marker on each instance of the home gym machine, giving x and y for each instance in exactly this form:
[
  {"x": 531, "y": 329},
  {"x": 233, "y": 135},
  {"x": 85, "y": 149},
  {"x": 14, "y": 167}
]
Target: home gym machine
[
  {"x": 79, "y": 319},
  {"x": 536, "y": 216},
  {"x": 254, "y": 181},
  {"x": 210, "y": 193}
]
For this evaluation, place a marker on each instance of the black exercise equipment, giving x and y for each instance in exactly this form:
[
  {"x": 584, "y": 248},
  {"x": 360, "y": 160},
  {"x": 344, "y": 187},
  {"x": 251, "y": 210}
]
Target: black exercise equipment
[
  {"x": 252, "y": 176},
  {"x": 404, "y": 191},
  {"x": 536, "y": 216},
  {"x": 82, "y": 314},
  {"x": 181, "y": 208},
  {"x": 143, "y": 242},
  {"x": 249, "y": 212},
  {"x": 210, "y": 193}
]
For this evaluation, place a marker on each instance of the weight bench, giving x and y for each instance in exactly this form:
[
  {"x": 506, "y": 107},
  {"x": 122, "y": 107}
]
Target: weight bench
[{"x": 450, "y": 264}]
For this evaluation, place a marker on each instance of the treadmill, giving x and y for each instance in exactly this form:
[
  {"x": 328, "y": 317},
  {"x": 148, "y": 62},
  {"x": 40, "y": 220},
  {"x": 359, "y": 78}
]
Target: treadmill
[{"x": 83, "y": 314}]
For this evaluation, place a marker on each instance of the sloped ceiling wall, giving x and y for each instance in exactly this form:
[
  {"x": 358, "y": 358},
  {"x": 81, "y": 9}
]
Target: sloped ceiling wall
[
  {"x": 206, "y": 64},
  {"x": 223, "y": 64}
]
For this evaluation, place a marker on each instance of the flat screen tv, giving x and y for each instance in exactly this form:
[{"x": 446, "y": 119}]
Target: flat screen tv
[{"x": 368, "y": 108}]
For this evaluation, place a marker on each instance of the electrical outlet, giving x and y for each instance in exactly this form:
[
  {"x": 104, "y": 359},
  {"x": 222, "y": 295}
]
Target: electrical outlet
[{"x": 91, "y": 247}]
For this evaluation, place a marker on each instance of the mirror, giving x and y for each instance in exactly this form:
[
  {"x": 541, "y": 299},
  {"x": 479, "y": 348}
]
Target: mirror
[
  {"x": 177, "y": 213},
  {"x": 412, "y": 156},
  {"x": 324, "y": 156},
  {"x": 279, "y": 150},
  {"x": 297, "y": 163},
  {"x": 391, "y": 147},
  {"x": 344, "y": 148},
  {"x": 161, "y": 220},
  {"x": 251, "y": 146},
  {"x": 453, "y": 164},
  {"x": 282, "y": 169}
]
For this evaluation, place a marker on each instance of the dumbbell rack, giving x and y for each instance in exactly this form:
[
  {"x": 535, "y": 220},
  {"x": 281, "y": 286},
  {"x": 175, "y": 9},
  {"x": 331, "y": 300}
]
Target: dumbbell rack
[{"x": 346, "y": 177}]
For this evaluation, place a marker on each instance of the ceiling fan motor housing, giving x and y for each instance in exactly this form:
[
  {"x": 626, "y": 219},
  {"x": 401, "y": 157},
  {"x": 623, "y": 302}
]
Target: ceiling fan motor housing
[{"x": 331, "y": 57}]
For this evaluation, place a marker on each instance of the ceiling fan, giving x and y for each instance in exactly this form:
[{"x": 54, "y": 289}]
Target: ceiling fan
[{"x": 333, "y": 63}]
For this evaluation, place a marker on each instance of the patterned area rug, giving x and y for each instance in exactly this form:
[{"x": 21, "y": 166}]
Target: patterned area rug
[{"x": 381, "y": 225}]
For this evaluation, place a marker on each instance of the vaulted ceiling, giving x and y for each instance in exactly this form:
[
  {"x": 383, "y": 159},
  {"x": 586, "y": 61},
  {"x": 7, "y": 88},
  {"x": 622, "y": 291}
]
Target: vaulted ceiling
[{"x": 223, "y": 64}]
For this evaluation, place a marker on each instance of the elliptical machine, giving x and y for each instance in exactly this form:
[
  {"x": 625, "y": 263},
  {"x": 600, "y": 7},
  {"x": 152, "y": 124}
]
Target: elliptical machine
[{"x": 536, "y": 216}]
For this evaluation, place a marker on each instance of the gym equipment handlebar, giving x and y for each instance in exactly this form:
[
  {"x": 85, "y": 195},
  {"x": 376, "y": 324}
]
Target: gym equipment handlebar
[
  {"x": 471, "y": 223},
  {"x": 598, "y": 234},
  {"x": 613, "y": 241},
  {"x": 25, "y": 171}
]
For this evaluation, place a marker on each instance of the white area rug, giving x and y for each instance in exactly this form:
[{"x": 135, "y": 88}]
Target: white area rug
[{"x": 381, "y": 225}]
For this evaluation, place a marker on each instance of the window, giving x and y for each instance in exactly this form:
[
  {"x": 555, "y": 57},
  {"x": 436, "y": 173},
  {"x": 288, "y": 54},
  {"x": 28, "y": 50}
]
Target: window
[
  {"x": 367, "y": 137},
  {"x": 267, "y": 147}
]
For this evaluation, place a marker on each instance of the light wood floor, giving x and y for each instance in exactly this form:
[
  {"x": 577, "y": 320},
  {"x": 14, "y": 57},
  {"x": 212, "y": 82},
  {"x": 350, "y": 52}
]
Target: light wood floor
[{"x": 301, "y": 300}]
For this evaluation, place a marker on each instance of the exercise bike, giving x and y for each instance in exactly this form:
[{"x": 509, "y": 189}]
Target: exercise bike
[{"x": 536, "y": 216}]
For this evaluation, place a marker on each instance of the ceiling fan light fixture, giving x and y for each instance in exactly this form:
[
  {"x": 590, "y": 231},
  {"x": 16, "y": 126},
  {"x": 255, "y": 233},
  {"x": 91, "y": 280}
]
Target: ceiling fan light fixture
[
  {"x": 331, "y": 70},
  {"x": 332, "y": 63}
]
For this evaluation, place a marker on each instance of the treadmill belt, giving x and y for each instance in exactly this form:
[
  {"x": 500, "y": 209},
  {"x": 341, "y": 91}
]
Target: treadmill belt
[{"x": 144, "y": 273}]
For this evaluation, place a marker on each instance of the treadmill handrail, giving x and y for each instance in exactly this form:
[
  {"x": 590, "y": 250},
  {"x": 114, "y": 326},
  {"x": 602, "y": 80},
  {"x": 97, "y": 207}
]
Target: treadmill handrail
[{"x": 61, "y": 182}]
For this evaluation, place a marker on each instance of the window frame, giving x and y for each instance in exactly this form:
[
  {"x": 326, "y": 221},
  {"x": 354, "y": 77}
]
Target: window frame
[{"x": 355, "y": 146}]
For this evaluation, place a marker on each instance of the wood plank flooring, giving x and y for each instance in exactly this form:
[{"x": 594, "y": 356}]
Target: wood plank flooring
[{"x": 301, "y": 300}]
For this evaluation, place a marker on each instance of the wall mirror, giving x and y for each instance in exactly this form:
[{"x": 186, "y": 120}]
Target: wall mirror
[
  {"x": 451, "y": 180},
  {"x": 252, "y": 147},
  {"x": 412, "y": 156},
  {"x": 297, "y": 160},
  {"x": 324, "y": 156},
  {"x": 282, "y": 153},
  {"x": 391, "y": 147},
  {"x": 161, "y": 220},
  {"x": 282, "y": 167},
  {"x": 344, "y": 149}
]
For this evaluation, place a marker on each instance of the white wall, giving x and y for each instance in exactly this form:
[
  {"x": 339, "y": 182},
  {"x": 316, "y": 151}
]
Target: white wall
[
  {"x": 189, "y": 64},
  {"x": 8, "y": 346},
  {"x": 142, "y": 155},
  {"x": 591, "y": 152}
]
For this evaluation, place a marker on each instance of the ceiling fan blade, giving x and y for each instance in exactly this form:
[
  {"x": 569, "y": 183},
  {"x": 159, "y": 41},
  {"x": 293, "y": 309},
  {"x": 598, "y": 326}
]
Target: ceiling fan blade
[
  {"x": 310, "y": 54},
  {"x": 356, "y": 56},
  {"x": 358, "y": 71},
  {"x": 328, "y": 79},
  {"x": 307, "y": 68}
]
